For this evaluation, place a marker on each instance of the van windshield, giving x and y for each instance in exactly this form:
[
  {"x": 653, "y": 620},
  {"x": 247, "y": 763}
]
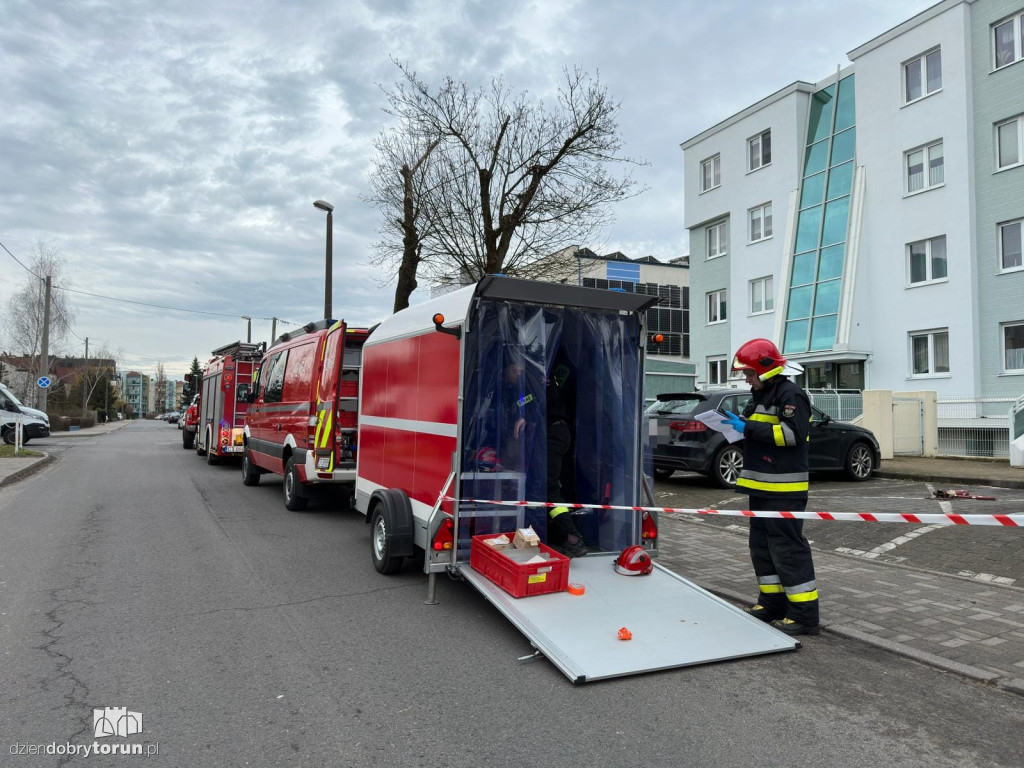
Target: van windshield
[{"x": 6, "y": 394}]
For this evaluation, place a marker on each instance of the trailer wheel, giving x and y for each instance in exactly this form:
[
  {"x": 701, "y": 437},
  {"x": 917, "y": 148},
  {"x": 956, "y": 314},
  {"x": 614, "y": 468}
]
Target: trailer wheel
[
  {"x": 211, "y": 451},
  {"x": 293, "y": 499},
  {"x": 250, "y": 473},
  {"x": 188, "y": 439},
  {"x": 380, "y": 545}
]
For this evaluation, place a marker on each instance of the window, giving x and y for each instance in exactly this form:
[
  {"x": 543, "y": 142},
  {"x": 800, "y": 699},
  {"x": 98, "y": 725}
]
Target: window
[
  {"x": 1010, "y": 143},
  {"x": 1013, "y": 347},
  {"x": 926, "y": 260},
  {"x": 1008, "y": 40},
  {"x": 718, "y": 371},
  {"x": 759, "y": 151},
  {"x": 274, "y": 386},
  {"x": 918, "y": 179},
  {"x": 716, "y": 307},
  {"x": 760, "y": 222},
  {"x": 762, "y": 295},
  {"x": 710, "y": 173},
  {"x": 929, "y": 353},
  {"x": 1009, "y": 245},
  {"x": 718, "y": 239},
  {"x": 922, "y": 76}
]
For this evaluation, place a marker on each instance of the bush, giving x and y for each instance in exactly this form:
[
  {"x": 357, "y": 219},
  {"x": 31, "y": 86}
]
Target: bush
[{"x": 62, "y": 423}]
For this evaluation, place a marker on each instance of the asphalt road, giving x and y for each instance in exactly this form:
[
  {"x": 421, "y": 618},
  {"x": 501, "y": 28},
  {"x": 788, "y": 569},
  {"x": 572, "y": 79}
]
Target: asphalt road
[
  {"x": 134, "y": 575},
  {"x": 982, "y": 551}
]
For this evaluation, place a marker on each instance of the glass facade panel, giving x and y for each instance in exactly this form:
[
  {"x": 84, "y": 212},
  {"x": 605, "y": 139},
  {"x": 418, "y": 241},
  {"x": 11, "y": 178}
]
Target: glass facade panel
[
  {"x": 826, "y": 299},
  {"x": 817, "y": 157},
  {"x": 934, "y": 67},
  {"x": 936, "y": 167},
  {"x": 1009, "y": 153},
  {"x": 1013, "y": 347},
  {"x": 831, "y": 262},
  {"x": 837, "y": 214},
  {"x": 803, "y": 269},
  {"x": 941, "y": 351},
  {"x": 813, "y": 191},
  {"x": 843, "y": 146},
  {"x": 920, "y": 354},
  {"x": 823, "y": 333},
  {"x": 820, "y": 122},
  {"x": 796, "y": 336},
  {"x": 840, "y": 181},
  {"x": 918, "y": 262},
  {"x": 938, "y": 258},
  {"x": 800, "y": 302},
  {"x": 845, "y": 105},
  {"x": 913, "y": 80},
  {"x": 808, "y": 228}
]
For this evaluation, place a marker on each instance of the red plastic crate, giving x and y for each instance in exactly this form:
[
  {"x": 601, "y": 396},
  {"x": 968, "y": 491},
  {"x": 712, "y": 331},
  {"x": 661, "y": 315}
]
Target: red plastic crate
[
  {"x": 350, "y": 389},
  {"x": 346, "y": 418},
  {"x": 519, "y": 579}
]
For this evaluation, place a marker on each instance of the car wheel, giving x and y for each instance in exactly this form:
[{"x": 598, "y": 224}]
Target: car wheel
[
  {"x": 383, "y": 561},
  {"x": 859, "y": 463},
  {"x": 292, "y": 487},
  {"x": 8, "y": 436},
  {"x": 250, "y": 474},
  {"x": 726, "y": 466},
  {"x": 188, "y": 440},
  {"x": 211, "y": 453},
  {"x": 662, "y": 473}
]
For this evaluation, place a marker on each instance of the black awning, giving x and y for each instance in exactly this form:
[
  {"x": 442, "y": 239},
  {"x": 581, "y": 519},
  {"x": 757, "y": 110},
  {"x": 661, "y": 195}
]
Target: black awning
[{"x": 559, "y": 294}]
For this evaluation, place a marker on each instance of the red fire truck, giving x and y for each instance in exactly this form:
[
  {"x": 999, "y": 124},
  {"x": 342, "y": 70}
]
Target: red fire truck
[
  {"x": 301, "y": 423},
  {"x": 444, "y": 463},
  {"x": 224, "y": 399}
]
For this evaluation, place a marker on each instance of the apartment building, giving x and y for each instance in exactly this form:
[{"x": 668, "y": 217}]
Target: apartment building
[{"x": 870, "y": 222}]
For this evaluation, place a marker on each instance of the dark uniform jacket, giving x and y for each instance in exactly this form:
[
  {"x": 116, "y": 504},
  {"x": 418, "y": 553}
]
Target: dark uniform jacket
[{"x": 775, "y": 441}]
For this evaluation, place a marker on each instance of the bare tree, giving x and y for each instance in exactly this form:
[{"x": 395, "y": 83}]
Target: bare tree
[
  {"x": 27, "y": 308},
  {"x": 511, "y": 182},
  {"x": 160, "y": 389}
]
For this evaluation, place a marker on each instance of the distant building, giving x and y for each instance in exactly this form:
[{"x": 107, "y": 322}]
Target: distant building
[{"x": 136, "y": 392}]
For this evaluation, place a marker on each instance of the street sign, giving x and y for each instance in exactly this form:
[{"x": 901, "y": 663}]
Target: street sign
[{"x": 43, "y": 381}]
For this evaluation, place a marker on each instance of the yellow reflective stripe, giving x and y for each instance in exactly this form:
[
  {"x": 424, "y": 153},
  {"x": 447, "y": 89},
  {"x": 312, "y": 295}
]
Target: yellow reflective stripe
[
  {"x": 763, "y": 417},
  {"x": 773, "y": 372},
  {"x": 779, "y": 435},
  {"x": 556, "y": 511},
  {"x": 803, "y": 597},
  {"x": 326, "y": 436},
  {"x": 777, "y": 487},
  {"x": 770, "y": 589}
]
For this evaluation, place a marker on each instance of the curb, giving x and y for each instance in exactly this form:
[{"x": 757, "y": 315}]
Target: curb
[
  {"x": 947, "y": 481},
  {"x": 34, "y": 466},
  {"x": 1010, "y": 685}
]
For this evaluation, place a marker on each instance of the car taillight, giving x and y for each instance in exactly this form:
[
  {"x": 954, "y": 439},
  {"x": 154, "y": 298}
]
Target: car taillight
[
  {"x": 688, "y": 426},
  {"x": 445, "y": 536},
  {"x": 648, "y": 526}
]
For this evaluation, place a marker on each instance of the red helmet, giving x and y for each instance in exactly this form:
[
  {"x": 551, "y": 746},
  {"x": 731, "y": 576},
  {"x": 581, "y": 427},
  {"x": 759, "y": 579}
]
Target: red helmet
[
  {"x": 760, "y": 356},
  {"x": 634, "y": 561},
  {"x": 487, "y": 460}
]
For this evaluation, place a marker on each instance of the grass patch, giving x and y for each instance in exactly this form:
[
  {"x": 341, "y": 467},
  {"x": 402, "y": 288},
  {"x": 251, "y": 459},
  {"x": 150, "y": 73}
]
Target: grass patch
[{"x": 7, "y": 452}]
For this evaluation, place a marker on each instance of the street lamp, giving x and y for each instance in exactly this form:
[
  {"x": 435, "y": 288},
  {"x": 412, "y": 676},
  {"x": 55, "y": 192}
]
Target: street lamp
[
  {"x": 248, "y": 328},
  {"x": 325, "y": 206}
]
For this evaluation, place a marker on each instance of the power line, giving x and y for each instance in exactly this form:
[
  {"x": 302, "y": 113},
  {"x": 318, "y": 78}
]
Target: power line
[
  {"x": 164, "y": 306},
  {"x": 19, "y": 262}
]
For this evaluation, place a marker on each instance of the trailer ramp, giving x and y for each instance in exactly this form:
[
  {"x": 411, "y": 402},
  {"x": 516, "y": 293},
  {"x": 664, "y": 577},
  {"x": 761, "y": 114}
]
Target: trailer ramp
[{"x": 674, "y": 622}]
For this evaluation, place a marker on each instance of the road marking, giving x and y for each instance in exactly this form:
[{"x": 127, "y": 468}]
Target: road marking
[{"x": 989, "y": 578}]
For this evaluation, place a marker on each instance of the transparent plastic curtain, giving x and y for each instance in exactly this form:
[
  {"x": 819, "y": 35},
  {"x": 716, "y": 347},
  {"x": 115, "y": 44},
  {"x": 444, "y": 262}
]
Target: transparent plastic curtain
[{"x": 512, "y": 351}]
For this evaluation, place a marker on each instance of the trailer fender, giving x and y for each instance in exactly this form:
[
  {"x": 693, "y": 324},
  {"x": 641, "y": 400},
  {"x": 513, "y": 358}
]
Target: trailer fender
[{"x": 396, "y": 510}]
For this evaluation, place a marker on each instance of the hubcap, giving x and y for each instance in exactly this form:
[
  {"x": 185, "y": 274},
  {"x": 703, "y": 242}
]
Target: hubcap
[
  {"x": 731, "y": 463},
  {"x": 861, "y": 462},
  {"x": 380, "y": 537}
]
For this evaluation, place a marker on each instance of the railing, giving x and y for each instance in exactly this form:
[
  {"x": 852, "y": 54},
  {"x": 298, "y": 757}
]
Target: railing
[
  {"x": 840, "y": 404},
  {"x": 975, "y": 426}
]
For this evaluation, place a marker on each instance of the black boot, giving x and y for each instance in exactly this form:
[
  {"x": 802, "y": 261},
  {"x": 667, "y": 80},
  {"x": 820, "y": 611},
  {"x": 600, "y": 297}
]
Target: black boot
[{"x": 563, "y": 536}]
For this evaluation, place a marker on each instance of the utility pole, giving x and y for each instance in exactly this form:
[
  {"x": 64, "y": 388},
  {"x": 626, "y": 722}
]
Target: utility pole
[
  {"x": 273, "y": 330},
  {"x": 44, "y": 358},
  {"x": 85, "y": 380}
]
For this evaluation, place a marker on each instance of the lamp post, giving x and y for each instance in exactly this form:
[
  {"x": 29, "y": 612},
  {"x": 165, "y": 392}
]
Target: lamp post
[
  {"x": 248, "y": 328},
  {"x": 325, "y": 206}
]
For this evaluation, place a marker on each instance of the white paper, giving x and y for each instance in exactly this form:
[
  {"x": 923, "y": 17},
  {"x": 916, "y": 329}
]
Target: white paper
[{"x": 716, "y": 421}]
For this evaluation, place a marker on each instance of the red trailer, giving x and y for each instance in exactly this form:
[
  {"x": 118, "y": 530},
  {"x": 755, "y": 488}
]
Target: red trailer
[
  {"x": 438, "y": 445},
  {"x": 223, "y": 400}
]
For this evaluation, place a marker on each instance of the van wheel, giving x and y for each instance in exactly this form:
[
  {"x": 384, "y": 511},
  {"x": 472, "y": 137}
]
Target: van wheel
[
  {"x": 380, "y": 542},
  {"x": 726, "y": 466},
  {"x": 292, "y": 486},
  {"x": 250, "y": 474},
  {"x": 211, "y": 454},
  {"x": 188, "y": 440},
  {"x": 859, "y": 463},
  {"x": 8, "y": 436}
]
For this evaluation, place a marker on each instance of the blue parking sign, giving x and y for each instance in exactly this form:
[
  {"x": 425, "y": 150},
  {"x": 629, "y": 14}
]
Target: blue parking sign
[{"x": 43, "y": 381}]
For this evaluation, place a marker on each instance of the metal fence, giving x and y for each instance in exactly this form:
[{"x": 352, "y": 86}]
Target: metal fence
[
  {"x": 840, "y": 404},
  {"x": 975, "y": 426}
]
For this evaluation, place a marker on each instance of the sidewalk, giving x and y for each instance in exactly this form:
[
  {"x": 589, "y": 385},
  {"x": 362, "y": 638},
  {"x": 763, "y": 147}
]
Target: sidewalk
[{"x": 967, "y": 627}]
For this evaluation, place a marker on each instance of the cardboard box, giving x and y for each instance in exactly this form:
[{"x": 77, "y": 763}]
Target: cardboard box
[
  {"x": 525, "y": 538},
  {"x": 501, "y": 541}
]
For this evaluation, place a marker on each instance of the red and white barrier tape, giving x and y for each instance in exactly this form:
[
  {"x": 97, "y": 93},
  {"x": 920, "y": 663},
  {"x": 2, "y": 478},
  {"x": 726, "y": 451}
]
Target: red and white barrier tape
[{"x": 1010, "y": 521}]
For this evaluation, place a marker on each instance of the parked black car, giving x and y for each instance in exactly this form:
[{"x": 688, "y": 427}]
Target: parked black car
[{"x": 687, "y": 444}]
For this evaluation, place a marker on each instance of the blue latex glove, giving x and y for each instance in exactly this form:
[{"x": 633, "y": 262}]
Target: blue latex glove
[{"x": 735, "y": 422}]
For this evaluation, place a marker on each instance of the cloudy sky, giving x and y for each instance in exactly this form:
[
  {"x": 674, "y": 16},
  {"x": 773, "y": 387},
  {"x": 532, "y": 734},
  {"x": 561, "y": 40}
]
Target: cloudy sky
[{"x": 171, "y": 152}]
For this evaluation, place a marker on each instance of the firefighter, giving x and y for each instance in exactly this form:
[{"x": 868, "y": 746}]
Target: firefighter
[
  {"x": 563, "y": 534},
  {"x": 775, "y": 427}
]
